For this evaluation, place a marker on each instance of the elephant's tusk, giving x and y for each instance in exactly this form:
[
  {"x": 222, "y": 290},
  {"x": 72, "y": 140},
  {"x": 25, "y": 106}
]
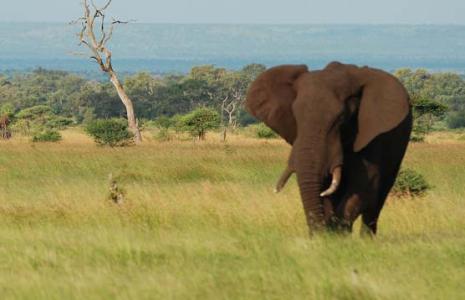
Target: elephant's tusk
[
  {"x": 283, "y": 179},
  {"x": 337, "y": 172}
]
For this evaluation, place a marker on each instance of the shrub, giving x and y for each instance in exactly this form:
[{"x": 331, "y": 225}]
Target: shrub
[
  {"x": 417, "y": 138},
  {"x": 199, "y": 121},
  {"x": 58, "y": 122},
  {"x": 177, "y": 121},
  {"x": 111, "y": 132},
  {"x": 23, "y": 127},
  {"x": 246, "y": 119},
  {"x": 7, "y": 109},
  {"x": 456, "y": 120},
  {"x": 87, "y": 116},
  {"x": 262, "y": 131},
  {"x": 47, "y": 136},
  {"x": 35, "y": 112},
  {"x": 41, "y": 123},
  {"x": 163, "y": 135},
  {"x": 164, "y": 122},
  {"x": 410, "y": 183}
]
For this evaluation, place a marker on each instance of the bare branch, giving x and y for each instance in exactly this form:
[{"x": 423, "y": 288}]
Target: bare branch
[
  {"x": 80, "y": 54},
  {"x": 100, "y": 53},
  {"x": 122, "y": 22},
  {"x": 102, "y": 8},
  {"x": 97, "y": 59},
  {"x": 86, "y": 9},
  {"x": 102, "y": 29},
  {"x": 78, "y": 20}
]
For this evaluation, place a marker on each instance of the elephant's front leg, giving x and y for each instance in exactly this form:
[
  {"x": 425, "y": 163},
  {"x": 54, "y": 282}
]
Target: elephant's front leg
[
  {"x": 328, "y": 208},
  {"x": 345, "y": 212}
]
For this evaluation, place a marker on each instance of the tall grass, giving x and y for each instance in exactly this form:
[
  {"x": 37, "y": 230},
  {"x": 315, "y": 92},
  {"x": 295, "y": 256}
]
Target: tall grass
[{"x": 200, "y": 220}]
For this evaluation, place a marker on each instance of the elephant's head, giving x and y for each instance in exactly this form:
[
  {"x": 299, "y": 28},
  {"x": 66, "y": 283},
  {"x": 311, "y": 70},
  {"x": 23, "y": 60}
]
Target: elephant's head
[{"x": 307, "y": 109}]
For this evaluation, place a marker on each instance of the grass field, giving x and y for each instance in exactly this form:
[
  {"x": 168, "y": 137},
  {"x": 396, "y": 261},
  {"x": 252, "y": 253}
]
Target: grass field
[{"x": 200, "y": 221}]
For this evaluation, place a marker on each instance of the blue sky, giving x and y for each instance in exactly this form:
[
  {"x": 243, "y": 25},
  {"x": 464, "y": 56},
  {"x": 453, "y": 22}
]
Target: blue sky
[{"x": 249, "y": 11}]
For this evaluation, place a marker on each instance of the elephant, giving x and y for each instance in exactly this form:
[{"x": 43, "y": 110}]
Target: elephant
[{"x": 349, "y": 128}]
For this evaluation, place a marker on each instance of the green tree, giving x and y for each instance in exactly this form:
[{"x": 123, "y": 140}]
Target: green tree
[
  {"x": 41, "y": 122},
  {"x": 144, "y": 89},
  {"x": 456, "y": 120},
  {"x": 8, "y": 110},
  {"x": 101, "y": 98},
  {"x": 199, "y": 121},
  {"x": 444, "y": 88},
  {"x": 425, "y": 113},
  {"x": 251, "y": 71}
]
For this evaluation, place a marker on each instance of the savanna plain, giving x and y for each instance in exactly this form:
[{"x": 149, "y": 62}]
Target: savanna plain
[{"x": 200, "y": 221}]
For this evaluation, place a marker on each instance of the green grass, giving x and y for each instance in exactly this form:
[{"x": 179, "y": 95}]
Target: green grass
[{"x": 200, "y": 220}]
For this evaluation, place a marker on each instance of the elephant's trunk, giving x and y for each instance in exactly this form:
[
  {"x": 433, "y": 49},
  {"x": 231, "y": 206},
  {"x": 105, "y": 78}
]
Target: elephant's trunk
[{"x": 310, "y": 162}]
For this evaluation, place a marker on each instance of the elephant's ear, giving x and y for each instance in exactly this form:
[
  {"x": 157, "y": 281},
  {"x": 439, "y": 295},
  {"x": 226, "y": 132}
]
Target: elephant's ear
[
  {"x": 270, "y": 99},
  {"x": 384, "y": 105}
]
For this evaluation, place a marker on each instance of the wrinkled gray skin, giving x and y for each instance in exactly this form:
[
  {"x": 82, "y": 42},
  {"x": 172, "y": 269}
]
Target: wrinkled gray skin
[{"x": 342, "y": 119}]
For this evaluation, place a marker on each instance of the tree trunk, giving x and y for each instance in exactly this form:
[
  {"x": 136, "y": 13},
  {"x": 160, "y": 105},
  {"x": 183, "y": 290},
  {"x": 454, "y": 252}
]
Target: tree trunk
[
  {"x": 132, "y": 122},
  {"x": 225, "y": 132}
]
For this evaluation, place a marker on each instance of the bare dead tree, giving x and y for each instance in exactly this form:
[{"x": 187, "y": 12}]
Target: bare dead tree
[
  {"x": 230, "y": 109},
  {"x": 231, "y": 103},
  {"x": 229, "y": 106},
  {"x": 92, "y": 22}
]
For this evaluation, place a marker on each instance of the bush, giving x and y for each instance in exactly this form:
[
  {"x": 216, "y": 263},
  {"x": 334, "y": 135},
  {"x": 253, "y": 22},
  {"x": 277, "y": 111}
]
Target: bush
[
  {"x": 246, "y": 119},
  {"x": 7, "y": 109},
  {"x": 456, "y": 120},
  {"x": 410, "y": 183},
  {"x": 41, "y": 123},
  {"x": 417, "y": 138},
  {"x": 262, "y": 131},
  {"x": 177, "y": 121},
  {"x": 163, "y": 135},
  {"x": 58, "y": 122},
  {"x": 111, "y": 132},
  {"x": 47, "y": 136},
  {"x": 164, "y": 122},
  {"x": 23, "y": 127},
  {"x": 199, "y": 121}
]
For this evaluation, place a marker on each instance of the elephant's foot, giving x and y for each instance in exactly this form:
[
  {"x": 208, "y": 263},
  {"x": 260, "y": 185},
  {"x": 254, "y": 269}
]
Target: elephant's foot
[
  {"x": 339, "y": 226},
  {"x": 369, "y": 226},
  {"x": 366, "y": 231}
]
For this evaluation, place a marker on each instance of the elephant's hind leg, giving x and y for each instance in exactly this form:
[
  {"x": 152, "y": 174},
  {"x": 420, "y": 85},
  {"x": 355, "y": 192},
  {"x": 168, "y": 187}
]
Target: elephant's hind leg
[
  {"x": 369, "y": 222},
  {"x": 347, "y": 212}
]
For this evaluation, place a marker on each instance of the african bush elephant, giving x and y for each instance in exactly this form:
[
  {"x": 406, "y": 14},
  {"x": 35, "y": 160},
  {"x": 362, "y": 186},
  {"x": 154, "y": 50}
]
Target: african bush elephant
[{"x": 349, "y": 128}]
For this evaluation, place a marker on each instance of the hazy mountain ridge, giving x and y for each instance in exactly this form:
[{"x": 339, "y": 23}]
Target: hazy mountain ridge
[{"x": 177, "y": 47}]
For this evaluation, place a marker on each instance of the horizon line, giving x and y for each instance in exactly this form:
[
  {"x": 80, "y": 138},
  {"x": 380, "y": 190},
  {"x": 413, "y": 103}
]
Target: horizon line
[{"x": 252, "y": 23}]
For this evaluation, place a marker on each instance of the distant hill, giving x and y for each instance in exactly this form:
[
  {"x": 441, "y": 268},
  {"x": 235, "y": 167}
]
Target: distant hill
[{"x": 161, "y": 48}]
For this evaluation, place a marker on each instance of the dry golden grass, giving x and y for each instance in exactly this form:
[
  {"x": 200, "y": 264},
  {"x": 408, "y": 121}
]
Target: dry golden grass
[{"x": 200, "y": 220}]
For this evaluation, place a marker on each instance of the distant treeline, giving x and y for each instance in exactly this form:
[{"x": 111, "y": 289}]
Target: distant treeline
[
  {"x": 76, "y": 97},
  {"x": 73, "y": 96}
]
